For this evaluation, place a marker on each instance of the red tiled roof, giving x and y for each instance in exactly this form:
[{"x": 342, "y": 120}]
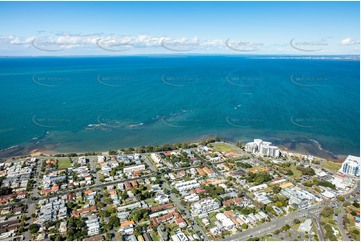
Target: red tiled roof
[
  {"x": 76, "y": 213},
  {"x": 161, "y": 207},
  {"x": 207, "y": 170},
  {"x": 180, "y": 220}
]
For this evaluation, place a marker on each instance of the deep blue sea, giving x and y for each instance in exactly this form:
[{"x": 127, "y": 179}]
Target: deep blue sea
[{"x": 102, "y": 103}]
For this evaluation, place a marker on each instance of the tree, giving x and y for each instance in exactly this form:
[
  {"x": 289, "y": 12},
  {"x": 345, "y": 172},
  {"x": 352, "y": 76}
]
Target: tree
[
  {"x": 244, "y": 226},
  {"x": 108, "y": 200},
  {"x": 296, "y": 221},
  {"x": 308, "y": 183},
  {"x": 329, "y": 232},
  {"x": 306, "y": 170},
  {"x": 276, "y": 189},
  {"x": 5, "y": 191},
  {"x": 113, "y": 221},
  {"x": 356, "y": 204},
  {"x": 341, "y": 198},
  {"x": 34, "y": 228},
  {"x": 124, "y": 195},
  {"x": 346, "y": 220},
  {"x": 279, "y": 204},
  {"x": 346, "y": 203},
  {"x": 327, "y": 211},
  {"x": 286, "y": 227}
]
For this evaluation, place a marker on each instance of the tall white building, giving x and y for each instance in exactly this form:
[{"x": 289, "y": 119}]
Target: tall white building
[
  {"x": 263, "y": 147},
  {"x": 351, "y": 166}
]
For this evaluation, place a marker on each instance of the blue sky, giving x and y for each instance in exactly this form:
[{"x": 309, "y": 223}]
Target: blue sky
[{"x": 125, "y": 28}]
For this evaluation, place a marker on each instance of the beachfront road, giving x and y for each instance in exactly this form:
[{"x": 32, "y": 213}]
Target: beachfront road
[{"x": 274, "y": 224}]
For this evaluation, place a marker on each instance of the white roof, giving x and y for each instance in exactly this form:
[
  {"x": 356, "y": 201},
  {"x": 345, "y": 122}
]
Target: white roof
[
  {"x": 221, "y": 216},
  {"x": 328, "y": 194},
  {"x": 306, "y": 226}
]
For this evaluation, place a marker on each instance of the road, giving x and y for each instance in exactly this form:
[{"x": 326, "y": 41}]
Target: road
[
  {"x": 149, "y": 163},
  {"x": 29, "y": 200},
  {"x": 340, "y": 224},
  {"x": 38, "y": 172},
  {"x": 272, "y": 225},
  {"x": 182, "y": 208},
  {"x": 316, "y": 219},
  {"x": 93, "y": 165}
]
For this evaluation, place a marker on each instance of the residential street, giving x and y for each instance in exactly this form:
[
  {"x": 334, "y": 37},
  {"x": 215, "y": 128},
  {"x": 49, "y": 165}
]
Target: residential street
[{"x": 182, "y": 208}]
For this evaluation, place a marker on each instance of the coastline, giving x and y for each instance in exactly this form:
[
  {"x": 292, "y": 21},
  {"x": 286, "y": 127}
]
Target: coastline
[{"x": 297, "y": 148}]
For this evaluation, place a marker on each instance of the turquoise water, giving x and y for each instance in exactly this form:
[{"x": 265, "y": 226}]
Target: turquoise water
[{"x": 99, "y": 103}]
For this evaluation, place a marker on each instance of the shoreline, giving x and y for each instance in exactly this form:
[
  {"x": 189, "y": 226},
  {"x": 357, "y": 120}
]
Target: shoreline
[{"x": 18, "y": 151}]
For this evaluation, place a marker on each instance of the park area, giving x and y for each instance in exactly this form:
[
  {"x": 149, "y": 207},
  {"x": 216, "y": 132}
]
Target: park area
[
  {"x": 64, "y": 163},
  {"x": 225, "y": 148},
  {"x": 331, "y": 165}
]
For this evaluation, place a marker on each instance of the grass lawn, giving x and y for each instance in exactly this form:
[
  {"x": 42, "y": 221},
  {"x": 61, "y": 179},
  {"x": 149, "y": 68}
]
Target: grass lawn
[
  {"x": 64, "y": 163},
  {"x": 331, "y": 165},
  {"x": 338, "y": 236},
  {"x": 155, "y": 236},
  {"x": 296, "y": 173},
  {"x": 351, "y": 218},
  {"x": 269, "y": 238},
  {"x": 314, "y": 228},
  {"x": 295, "y": 226},
  {"x": 224, "y": 148},
  {"x": 151, "y": 202},
  {"x": 212, "y": 218},
  {"x": 327, "y": 219},
  {"x": 354, "y": 236}
]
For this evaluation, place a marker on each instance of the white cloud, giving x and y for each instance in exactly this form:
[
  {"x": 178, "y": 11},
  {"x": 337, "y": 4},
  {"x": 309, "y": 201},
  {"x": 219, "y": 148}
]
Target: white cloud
[{"x": 349, "y": 41}]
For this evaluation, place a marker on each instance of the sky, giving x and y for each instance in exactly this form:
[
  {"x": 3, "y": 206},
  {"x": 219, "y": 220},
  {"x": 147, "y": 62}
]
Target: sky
[{"x": 129, "y": 28}]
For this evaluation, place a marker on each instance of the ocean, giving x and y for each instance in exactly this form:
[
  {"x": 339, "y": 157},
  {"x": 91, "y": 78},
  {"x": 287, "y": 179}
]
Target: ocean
[{"x": 78, "y": 104}]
